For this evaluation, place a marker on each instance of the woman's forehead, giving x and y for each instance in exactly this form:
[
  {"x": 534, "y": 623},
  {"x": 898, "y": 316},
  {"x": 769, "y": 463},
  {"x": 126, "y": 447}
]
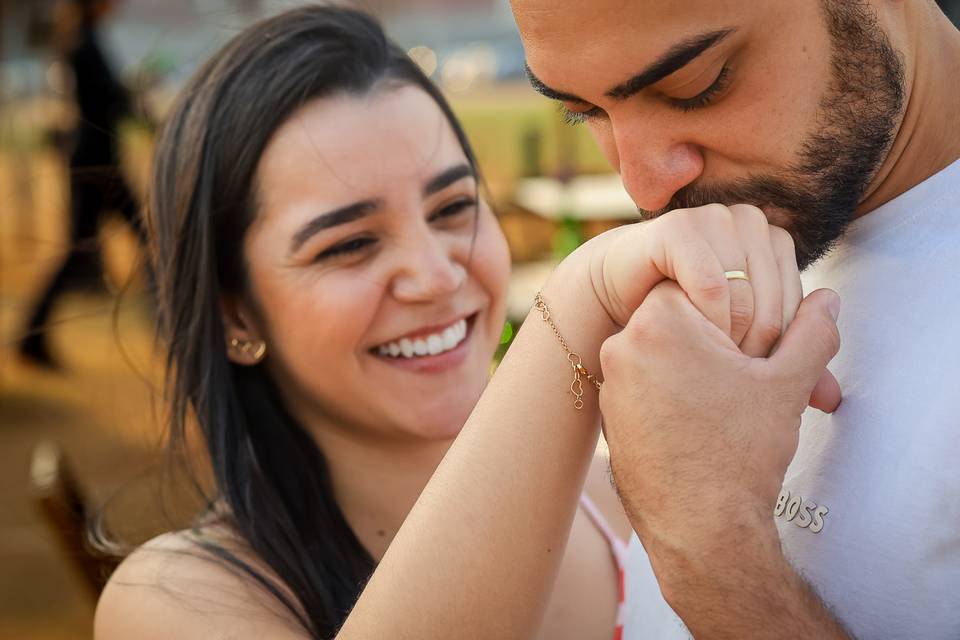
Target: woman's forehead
[{"x": 350, "y": 142}]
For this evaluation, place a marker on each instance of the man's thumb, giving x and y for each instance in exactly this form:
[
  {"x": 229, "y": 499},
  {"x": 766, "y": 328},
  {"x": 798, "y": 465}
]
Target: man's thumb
[
  {"x": 812, "y": 340},
  {"x": 826, "y": 394}
]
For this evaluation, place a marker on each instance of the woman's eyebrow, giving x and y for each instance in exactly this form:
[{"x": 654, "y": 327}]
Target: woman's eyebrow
[
  {"x": 447, "y": 177},
  {"x": 343, "y": 215},
  {"x": 364, "y": 208}
]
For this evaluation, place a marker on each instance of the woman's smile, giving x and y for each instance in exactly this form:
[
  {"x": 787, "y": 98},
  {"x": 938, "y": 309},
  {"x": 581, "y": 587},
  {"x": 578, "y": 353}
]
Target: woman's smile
[{"x": 433, "y": 349}]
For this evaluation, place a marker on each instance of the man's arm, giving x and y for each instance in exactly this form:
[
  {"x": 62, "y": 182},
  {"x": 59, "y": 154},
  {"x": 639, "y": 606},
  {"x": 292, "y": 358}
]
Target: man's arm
[
  {"x": 478, "y": 553},
  {"x": 744, "y": 588},
  {"x": 700, "y": 438}
]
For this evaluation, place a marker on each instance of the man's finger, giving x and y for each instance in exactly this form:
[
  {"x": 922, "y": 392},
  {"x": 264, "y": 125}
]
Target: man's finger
[
  {"x": 826, "y": 394},
  {"x": 811, "y": 341}
]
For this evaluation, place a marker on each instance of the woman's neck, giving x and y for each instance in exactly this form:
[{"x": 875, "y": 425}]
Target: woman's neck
[{"x": 376, "y": 483}]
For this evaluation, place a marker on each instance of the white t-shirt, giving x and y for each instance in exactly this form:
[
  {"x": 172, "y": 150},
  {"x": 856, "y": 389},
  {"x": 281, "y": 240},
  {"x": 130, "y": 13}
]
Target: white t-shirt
[{"x": 874, "y": 490}]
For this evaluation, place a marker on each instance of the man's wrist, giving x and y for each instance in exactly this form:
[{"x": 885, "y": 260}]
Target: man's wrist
[
  {"x": 712, "y": 555},
  {"x": 742, "y": 586}
]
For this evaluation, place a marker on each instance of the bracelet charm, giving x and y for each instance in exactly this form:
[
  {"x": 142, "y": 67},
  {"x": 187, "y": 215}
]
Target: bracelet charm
[{"x": 580, "y": 372}]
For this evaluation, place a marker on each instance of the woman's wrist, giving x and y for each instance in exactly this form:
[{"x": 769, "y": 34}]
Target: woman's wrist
[
  {"x": 620, "y": 269},
  {"x": 577, "y": 307}
]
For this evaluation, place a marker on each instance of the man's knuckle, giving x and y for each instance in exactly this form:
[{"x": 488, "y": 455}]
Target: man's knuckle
[
  {"x": 827, "y": 335},
  {"x": 833, "y": 337},
  {"x": 610, "y": 352},
  {"x": 642, "y": 328}
]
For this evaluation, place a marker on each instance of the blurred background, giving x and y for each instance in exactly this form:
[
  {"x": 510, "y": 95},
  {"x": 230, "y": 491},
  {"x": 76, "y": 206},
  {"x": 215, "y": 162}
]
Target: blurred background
[{"x": 80, "y": 372}]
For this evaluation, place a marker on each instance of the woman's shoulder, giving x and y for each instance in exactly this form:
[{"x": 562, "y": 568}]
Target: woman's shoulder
[{"x": 177, "y": 586}]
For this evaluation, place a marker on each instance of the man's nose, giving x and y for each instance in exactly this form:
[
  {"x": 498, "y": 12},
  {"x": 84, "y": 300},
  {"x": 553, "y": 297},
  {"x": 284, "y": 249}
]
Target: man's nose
[{"x": 653, "y": 164}]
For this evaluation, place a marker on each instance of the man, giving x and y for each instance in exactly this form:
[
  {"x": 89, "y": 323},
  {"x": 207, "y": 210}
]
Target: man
[{"x": 839, "y": 119}]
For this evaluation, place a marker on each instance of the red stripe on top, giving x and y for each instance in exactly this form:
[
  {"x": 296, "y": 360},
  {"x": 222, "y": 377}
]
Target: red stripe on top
[{"x": 618, "y": 551}]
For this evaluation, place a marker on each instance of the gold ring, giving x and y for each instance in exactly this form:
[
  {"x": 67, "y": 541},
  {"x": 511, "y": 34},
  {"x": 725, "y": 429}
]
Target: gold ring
[{"x": 736, "y": 275}]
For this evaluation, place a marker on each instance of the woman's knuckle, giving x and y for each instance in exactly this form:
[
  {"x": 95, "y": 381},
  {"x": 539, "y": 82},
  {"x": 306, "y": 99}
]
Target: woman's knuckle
[
  {"x": 768, "y": 331},
  {"x": 782, "y": 239},
  {"x": 741, "y": 312},
  {"x": 716, "y": 209},
  {"x": 749, "y": 213},
  {"x": 713, "y": 288}
]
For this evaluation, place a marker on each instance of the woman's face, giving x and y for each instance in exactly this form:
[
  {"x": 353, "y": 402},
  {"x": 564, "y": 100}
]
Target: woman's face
[{"x": 377, "y": 279}]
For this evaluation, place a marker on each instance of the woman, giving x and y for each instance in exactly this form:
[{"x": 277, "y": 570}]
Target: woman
[{"x": 332, "y": 290}]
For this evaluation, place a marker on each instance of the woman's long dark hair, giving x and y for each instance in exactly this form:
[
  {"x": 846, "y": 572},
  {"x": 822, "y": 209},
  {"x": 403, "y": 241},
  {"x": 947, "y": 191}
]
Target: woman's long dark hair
[{"x": 267, "y": 469}]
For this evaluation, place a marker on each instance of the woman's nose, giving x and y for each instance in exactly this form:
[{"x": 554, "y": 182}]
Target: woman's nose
[{"x": 428, "y": 270}]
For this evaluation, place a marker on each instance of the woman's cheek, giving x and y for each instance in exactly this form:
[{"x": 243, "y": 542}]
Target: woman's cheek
[
  {"x": 498, "y": 261},
  {"x": 323, "y": 324}
]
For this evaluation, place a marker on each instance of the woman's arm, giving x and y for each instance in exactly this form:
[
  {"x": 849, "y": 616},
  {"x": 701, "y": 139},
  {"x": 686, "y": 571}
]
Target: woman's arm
[
  {"x": 496, "y": 514},
  {"x": 477, "y": 555}
]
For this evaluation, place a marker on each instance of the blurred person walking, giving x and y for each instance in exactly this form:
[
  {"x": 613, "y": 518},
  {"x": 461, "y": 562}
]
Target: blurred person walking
[{"x": 96, "y": 185}]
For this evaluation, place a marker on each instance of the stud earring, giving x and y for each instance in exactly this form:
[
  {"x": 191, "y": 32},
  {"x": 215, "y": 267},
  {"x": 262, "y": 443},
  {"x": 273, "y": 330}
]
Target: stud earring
[{"x": 255, "y": 350}]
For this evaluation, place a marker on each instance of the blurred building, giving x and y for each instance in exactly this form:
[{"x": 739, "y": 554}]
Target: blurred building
[{"x": 170, "y": 38}]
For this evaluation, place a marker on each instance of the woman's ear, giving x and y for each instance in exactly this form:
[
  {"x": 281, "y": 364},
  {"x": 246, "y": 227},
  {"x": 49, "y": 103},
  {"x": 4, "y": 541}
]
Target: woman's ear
[{"x": 245, "y": 343}]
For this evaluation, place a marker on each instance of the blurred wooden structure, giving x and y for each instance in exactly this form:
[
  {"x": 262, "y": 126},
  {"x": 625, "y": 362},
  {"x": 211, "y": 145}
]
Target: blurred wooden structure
[{"x": 63, "y": 505}]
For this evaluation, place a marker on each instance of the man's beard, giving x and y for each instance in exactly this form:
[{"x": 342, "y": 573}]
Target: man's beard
[{"x": 858, "y": 118}]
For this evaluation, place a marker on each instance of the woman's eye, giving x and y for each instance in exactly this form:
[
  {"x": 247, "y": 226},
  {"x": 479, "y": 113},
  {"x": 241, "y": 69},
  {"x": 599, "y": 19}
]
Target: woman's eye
[
  {"x": 705, "y": 97},
  {"x": 453, "y": 209},
  {"x": 345, "y": 248},
  {"x": 573, "y": 118}
]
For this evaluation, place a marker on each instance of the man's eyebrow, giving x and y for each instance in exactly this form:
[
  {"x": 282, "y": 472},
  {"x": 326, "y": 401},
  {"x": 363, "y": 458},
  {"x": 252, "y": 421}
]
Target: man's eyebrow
[
  {"x": 679, "y": 56},
  {"x": 544, "y": 90},
  {"x": 446, "y": 178},
  {"x": 343, "y": 215}
]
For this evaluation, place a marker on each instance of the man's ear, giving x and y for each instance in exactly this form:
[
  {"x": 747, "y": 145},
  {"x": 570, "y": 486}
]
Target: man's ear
[{"x": 245, "y": 343}]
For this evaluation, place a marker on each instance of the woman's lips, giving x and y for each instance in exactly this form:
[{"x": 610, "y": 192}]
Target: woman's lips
[
  {"x": 433, "y": 343},
  {"x": 442, "y": 359}
]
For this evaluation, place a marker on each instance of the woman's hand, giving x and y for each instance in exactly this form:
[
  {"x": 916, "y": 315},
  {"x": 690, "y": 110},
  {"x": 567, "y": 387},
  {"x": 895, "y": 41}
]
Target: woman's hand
[{"x": 696, "y": 248}]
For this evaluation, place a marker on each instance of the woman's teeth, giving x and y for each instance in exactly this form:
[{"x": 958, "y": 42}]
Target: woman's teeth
[{"x": 431, "y": 345}]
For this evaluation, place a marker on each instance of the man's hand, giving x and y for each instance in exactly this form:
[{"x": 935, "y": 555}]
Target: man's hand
[
  {"x": 695, "y": 247},
  {"x": 700, "y": 437}
]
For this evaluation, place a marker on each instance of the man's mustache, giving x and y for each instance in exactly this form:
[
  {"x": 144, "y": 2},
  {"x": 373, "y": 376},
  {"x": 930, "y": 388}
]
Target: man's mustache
[{"x": 765, "y": 193}]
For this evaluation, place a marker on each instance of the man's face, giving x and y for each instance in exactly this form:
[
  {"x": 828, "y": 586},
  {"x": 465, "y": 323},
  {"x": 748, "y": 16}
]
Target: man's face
[{"x": 787, "y": 105}]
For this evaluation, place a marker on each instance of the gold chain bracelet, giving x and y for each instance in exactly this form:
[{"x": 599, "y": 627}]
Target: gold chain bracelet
[{"x": 576, "y": 362}]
